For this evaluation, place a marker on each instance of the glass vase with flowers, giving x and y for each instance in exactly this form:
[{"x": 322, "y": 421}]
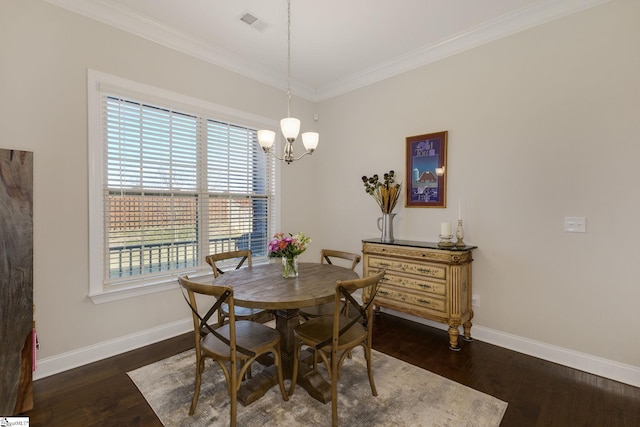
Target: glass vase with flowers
[{"x": 288, "y": 247}]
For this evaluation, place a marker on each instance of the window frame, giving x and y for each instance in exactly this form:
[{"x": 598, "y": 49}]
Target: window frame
[{"x": 99, "y": 83}]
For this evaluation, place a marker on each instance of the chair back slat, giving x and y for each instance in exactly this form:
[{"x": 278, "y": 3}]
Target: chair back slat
[
  {"x": 326, "y": 256},
  {"x": 222, "y": 294},
  {"x": 345, "y": 289},
  {"x": 244, "y": 255}
]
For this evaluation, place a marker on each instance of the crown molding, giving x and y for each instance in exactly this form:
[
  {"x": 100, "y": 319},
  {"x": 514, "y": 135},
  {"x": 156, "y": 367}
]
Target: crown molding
[
  {"x": 538, "y": 13},
  {"x": 522, "y": 19},
  {"x": 125, "y": 20}
]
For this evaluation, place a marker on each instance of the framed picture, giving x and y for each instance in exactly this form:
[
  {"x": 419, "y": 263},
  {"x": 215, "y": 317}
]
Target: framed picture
[{"x": 426, "y": 180}]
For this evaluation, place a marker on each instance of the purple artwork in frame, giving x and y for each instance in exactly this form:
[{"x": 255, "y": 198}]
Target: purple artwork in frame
[{"x": 426, "y": 179}]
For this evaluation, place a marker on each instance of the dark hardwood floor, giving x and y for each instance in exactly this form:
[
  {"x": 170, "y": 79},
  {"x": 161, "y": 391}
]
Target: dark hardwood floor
[{"x": 539, "y": 393}]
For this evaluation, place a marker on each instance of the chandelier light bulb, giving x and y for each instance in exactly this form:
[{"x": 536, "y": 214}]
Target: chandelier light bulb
[
  {"x": 290, "y": 127},
  {"x": 266, "y": 138},
  {"x": 310, "y": 140}
]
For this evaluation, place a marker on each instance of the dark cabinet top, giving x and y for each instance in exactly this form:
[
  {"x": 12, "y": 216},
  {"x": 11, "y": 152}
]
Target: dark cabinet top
[{"x": 417, "y": 244}]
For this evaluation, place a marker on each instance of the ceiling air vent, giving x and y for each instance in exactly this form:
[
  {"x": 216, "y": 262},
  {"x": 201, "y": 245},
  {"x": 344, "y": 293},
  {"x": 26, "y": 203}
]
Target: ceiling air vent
[
  {"x": 254, "y": 22},
  {"x": 248, "y": 18}
]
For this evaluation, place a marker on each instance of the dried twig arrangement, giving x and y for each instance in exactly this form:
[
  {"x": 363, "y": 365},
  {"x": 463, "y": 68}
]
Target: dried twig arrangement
[{"x": 385, "y": 193}]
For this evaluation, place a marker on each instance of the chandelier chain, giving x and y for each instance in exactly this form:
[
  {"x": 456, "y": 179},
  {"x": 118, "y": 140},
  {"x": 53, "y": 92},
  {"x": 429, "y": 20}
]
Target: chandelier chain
[{"x": 288, "y": 58}]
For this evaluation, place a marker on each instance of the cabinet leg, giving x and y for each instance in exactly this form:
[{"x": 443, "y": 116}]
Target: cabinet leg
[
  {"x": 467, "y": 331},
  {"x": 376, "y": 310},
  {"x": 453, "y": 338}
]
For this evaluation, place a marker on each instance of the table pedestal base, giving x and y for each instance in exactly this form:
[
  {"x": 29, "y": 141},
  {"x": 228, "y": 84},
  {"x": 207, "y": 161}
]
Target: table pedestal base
[
  {"x": 254, "y": 388},
  {"x": 314, "y": 383}
]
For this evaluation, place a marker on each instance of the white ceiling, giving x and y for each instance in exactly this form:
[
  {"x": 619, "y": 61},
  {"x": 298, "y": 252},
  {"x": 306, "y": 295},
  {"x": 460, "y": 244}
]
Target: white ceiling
[{"x": 337, "y": 45}]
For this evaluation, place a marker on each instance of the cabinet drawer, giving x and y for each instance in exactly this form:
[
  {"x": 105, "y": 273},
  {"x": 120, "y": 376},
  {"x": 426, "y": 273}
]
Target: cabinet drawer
[
  {"x": 423, "y": 301},
  {"x": 428, "y": 270},
  {"x": 417, "y": 284}
]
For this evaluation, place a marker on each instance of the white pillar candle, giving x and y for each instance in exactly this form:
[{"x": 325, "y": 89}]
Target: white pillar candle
[
  {"x": 459, "y": 209},
  {"x": 445, "y": 229}
]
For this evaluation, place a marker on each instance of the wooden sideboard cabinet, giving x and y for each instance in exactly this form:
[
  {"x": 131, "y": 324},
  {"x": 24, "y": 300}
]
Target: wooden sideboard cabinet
[{"x": 424, "y": 280}]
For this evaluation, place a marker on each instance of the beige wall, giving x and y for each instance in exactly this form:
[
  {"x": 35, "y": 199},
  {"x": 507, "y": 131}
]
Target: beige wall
[
  {"x": 45, "y": 52},
  {"x": 542, "y": 125}
]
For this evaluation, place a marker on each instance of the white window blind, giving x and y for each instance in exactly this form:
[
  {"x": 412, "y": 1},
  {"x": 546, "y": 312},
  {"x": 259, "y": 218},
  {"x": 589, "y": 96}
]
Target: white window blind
[
  {"x": 151, "y": 192},
  {"x": 238, "y": 189},
  {"x": 176, "y": 187}
]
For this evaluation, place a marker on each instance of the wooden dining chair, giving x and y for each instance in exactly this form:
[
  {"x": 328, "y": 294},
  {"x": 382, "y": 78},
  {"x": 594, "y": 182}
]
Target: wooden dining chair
[
  {"x": 242, "y": 313},
  {"x": 326, "y": 257},
  {"x": 333, "y": 337},
  {"x": 233, "y": 345}
]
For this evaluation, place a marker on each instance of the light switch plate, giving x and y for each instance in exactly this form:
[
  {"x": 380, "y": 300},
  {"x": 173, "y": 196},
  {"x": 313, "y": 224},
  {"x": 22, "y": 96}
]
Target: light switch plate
[
  {"x": 575, "y": 224},
  {"x": 475, "y": 300}
]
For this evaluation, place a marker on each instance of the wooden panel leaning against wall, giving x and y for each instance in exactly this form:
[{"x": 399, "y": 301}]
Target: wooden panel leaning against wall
[{"x": 16, "y": 281}]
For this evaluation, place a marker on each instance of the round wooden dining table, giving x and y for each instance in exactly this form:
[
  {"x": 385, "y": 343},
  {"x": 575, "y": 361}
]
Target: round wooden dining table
[{"x": 262, "y": 286}]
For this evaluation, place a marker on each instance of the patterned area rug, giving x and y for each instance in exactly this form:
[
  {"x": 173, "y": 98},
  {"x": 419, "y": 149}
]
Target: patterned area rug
[{"x": 407, "y": 396}]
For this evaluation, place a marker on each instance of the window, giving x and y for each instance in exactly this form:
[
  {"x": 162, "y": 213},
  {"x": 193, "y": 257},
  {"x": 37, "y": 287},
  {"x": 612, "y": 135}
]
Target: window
[{"x": 174, "y": 183}]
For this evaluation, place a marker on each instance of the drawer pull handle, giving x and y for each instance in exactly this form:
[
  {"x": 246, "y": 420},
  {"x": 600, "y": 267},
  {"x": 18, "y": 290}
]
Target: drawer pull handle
[
  {"x": 425, "y": 302},
  {"x": 423, "y": 286},
  {"x": 427, "y": 271},
  {"x": 381, "y": 292}
]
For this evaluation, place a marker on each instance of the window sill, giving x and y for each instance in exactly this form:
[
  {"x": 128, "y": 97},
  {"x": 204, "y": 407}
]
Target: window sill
[{"x": 136, "y": 290}]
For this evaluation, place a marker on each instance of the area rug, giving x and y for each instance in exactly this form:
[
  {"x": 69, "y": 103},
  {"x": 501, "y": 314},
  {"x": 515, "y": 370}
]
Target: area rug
[{"x": 407, "y": 396}]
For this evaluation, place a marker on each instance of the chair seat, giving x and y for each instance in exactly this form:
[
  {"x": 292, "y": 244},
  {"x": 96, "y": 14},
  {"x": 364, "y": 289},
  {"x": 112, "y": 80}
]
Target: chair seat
[
  {"x": 242, "y": 312},
  {"x": 319, "y": 329},
  {"x": 249, "y": 335}
]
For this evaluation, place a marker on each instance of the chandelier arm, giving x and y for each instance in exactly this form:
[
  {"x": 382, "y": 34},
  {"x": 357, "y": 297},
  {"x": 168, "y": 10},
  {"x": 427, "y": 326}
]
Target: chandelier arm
[
  {"x": 303, "y": 154},
  {"x": 288, "y": 157},
  {"x": 273, "y": 154}
]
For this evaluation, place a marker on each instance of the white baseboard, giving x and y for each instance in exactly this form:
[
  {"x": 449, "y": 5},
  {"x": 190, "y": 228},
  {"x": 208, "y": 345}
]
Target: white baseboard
[
  {"x": 621, "y": 372},
  {"x": 73, "y": 359},
  {"x": 627, "y": 374}
]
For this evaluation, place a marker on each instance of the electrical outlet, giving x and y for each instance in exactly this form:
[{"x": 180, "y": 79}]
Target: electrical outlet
[
  {"x": 475, "y": 300},
  {"x": 575, "y": 224}
]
